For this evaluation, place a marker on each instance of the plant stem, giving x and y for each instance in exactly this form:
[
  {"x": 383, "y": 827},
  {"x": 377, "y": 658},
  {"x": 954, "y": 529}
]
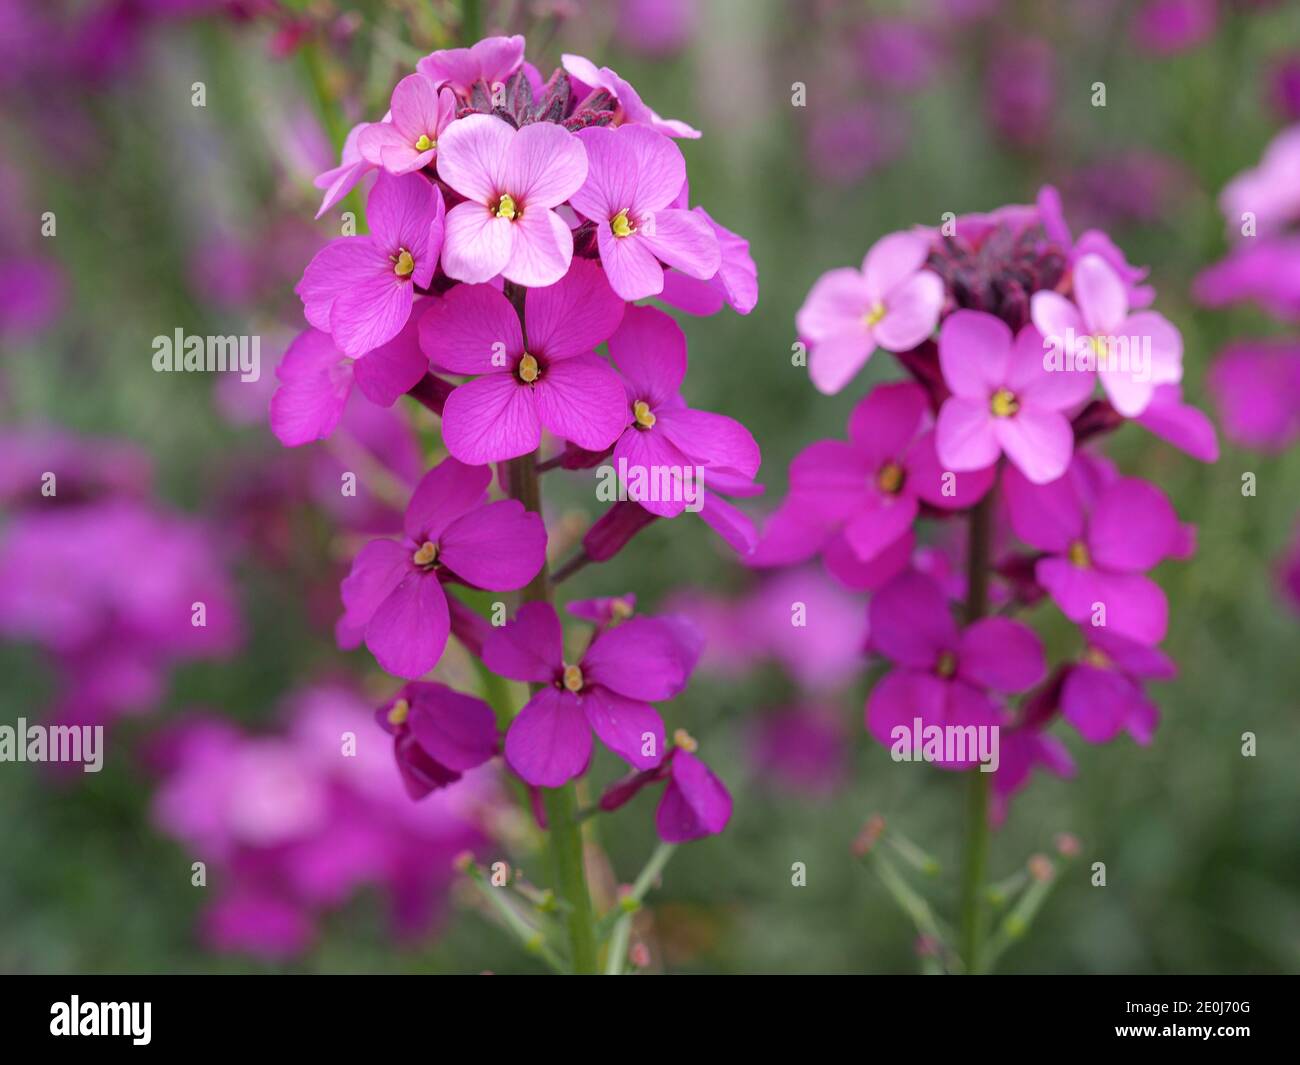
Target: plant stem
[
  {"x": 977, "y": 798},
  {"x": 571, "y": 875}
]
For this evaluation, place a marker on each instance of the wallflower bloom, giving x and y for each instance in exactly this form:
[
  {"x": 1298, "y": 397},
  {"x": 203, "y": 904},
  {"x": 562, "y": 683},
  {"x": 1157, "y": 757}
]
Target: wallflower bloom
[
  {"x": 630, "y": 107},
  {"x": 1102, "y": 694},
  {"x": 1003, "y": 399},
  {"x": 487, "y": 62},
  {"x": 735, "y": 283},
  {"x": 891, "y": 303},
  {"x": 361, "y": 290},
  {"x": 557, "y": 382},
  {"x": 395, "y": 587},
  {"x": 1256, "y": 386},
  {"x": 608, "y": 690},
  {"x": 1100, "y": 541},
  {"x": 511, "y": 180},
  {"x": 662, "y": 433},
  {"x": 342, "y": 179},
  {"x": 872, "y": 486},
  {"x": 1100, "y": 316},
  {"x": 634, "y": 176},
  {"x": 943, "y": 674},
  {"x": 438, "y": 735},
  {"x": 408, "y": 141},
  {"x": 695, "y": 803}
]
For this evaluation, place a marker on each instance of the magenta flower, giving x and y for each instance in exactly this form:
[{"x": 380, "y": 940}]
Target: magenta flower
[
  {"x": 395, "y": 587},
  {"x": 1004, "y": 400},
  {"x": 408, "y": 140},
  {"x": 438, "y": 735},
  {"x": 1186, "y": 427},
  {"x": 609, "y": 690},
  {"x": 1134, "y": 353},
  {"x": 1256, "y": 387},
  {"x": 361, "y": 290},
  {"x": 488, "y": 62},
  {"x": 662, "y": 433},
  {"x": 1165, "y": 27},
  {"x": 629, "y": 106},
  {"x": 1264, "y": 271},
  {"x": 735, "y": 284},
  {"x": 891, "y": 303},
  {"x": 943, "y": 674},
  {"x": 316, "y": 379},
  {"x": 512, "y": 179},
  {"x": 695, "y": 803},
  {"x": 873, "y": 485},
  {"x": 342, "y": 179},
  {"x": 1021, "y": 750},
  {"x": 557, "y": 382},
  {"x": 634, "y": 176},
  {"x": 1100, "y": 540},
  {"x": 1102, "y": 695}
]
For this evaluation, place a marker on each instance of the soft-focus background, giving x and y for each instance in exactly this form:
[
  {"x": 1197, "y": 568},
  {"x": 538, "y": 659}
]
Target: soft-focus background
[{"x": 172, "y": 215}]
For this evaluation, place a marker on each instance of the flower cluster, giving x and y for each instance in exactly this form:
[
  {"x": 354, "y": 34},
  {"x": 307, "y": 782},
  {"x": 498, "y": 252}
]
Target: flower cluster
[
  {"x": 1023, "y": 347},
  {"x": 516, "y": 224}
]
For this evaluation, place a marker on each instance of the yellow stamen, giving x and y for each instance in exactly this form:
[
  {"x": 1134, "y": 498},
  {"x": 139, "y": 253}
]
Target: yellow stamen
[
  {"x": 573, "y": 678},
  {"x": 947, "y": 664},
  {"x": 398, "y": 712},
  {"x": 620, "y": 609},
  {"x": 1098, "y": 345},
  {"x": 425, "y": 143},
  {"x": 1079, "y": 554},
  {"x": 506, "y": 208},
  {"x": 529, "y": 371},
  {"x": 620, "y": 224},
  {"x": 405, "y": 264},
  {"x": 1003, "y": 403},
  {"x": 685, "y": 741},
  {"x": 426, "y": 555},
  {"x": 645, "y": 417},
  {"x": 874, "y": 315},
  {"x": 1094, "y": 656},
  {"x": 890, "y": 478}
]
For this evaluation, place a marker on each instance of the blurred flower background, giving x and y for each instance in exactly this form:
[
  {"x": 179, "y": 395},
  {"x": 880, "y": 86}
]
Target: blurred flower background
[{"x": 157, "y": 160}]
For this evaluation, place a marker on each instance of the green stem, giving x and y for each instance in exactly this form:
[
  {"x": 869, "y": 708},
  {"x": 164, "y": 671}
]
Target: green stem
[
  {"x": 471, "y": 21},
  {"x": 630, "y": 904},
  {"x": 975, "y": 861},
  {"x": 571, "y": 875}
]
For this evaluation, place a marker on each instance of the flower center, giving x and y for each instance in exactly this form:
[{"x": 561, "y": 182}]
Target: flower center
[
  {"x": 506, "y": 208},
  {"x": 890, "y": 478},
  {"x": 620, "y": 224},
  {"x": 403, "y": 265},
  {"x": 874, "y": 315},
  {"x": 1079, "y": 554},
  {"x": 398, "y": 712},
  {"x": 645, "y": 417},
  {"x": 1003, "y": 403},
  {"x": 573, "y": 678},
  {"x": 425, "y": 143},
  {"x": 1094, "y": 656},
  {"x": 947, "y": 664},
  {"x": 1098, "y": 345},
  {"x": 427, "y": 555},
  {"x": 620, "y": 609},
  {"x": 529, "y": 371},
  {"x": 685, "y": 741}
]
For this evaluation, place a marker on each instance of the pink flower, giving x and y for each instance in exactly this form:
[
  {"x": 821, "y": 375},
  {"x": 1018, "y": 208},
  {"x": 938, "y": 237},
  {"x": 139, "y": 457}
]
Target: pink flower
[
  {"x": 609, "y": 690},
  {"x": 511, "y": 180},
  {"x": 1100, "y": 540},
  {"x": 872, "y": 486},
  {"x": 891, "y": 303},
  {"x": 488, "y": 62},
  {"x": 943, "y": 674},
  {"x": 343, "y": 178},
  {"x": 395, "y": 588},
  {"x": 316, "y": 380},
  {"x": 408, "y": 141},
  {"x": 438, "y": 735},
  {"x": 1270, "y": 192},
  {"x": 695, "y": 803},
  {"x": 558, "y": 382},
  {"x": 1004, "y": 401},
  {"x": 1020, "y": 92},
  {"x": 634, "y": 175},
  {"x": 1256, "y": 386},
  {"x": 662, "y": 433},
  {"x": 1102, "y": 695},
  {"x": 1186, "y": 427},
  {"x": 1166, "y": 27},
  {"x": 630, "y": 108},
  {"x": 361, "y": 290},
  {"x": 1265, "y": 271},
  {"x": 735, "y": 284},
  {"x": 1134, "y": 353}
]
